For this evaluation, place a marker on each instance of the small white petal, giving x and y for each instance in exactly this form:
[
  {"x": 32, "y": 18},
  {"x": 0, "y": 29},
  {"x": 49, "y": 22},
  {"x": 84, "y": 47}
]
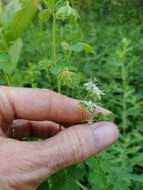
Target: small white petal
[{"x": 93, "y": 88}]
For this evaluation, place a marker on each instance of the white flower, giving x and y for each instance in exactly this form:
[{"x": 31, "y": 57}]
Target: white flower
[
  {"x": 89, "y": 105},
  {"x": 92, "y": 87}
]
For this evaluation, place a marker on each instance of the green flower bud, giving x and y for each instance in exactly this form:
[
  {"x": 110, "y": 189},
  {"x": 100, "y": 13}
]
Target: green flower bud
[
  {"x": 66, "y": 12},
  {"x": 66, "y": 76}
]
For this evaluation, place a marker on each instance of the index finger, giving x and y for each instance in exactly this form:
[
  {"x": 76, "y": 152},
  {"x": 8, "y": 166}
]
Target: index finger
[{"x": 43, "y": 104}]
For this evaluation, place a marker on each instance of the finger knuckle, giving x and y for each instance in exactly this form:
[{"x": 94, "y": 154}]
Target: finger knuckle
[
  {"x": 6, "y": 109},
  {"x": 77, "y": 144}
]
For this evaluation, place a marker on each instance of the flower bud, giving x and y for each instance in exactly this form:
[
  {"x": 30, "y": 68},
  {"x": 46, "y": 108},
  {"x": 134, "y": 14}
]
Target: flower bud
[{"x": 66, "y": 12}]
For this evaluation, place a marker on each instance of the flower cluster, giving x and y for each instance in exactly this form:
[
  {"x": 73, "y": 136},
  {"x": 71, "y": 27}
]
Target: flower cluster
[
  {"x": 92, "y": 88},
  {"x": 91, "y": 100},
  {"x": 89, "y": 105}
]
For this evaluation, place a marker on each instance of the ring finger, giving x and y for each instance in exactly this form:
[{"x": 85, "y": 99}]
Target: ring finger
[{"x": 25, "y": 128}]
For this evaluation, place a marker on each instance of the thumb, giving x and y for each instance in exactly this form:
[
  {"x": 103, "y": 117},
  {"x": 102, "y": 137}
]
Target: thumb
[
  {"x": 75, "y": 144},
  {"x": 31, "y": 162}
]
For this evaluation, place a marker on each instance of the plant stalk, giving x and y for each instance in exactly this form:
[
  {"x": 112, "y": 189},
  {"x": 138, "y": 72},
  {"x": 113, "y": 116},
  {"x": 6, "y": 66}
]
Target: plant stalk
[
  {"x": 54, "y": 39},
  {"x": 124, "y": 102},
  {"x": 59, "y": 84}
]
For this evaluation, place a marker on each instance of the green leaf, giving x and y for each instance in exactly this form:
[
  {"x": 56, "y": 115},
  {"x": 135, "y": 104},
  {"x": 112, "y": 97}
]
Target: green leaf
[
  {"x": 88, "y": 48},
  {"x": 58, "y": 180},
  {"x": 80, "y": 46},
  {"x": 107, "y": 117},
  {"x": 134, "y": 149},
  {"x": 137, "y": 160},
  {"x": 70, "y": 184},
  {"x": 21, "y": 20},
  {"x": 15, "y": 50},
  {"x": 96, "y": 176},
  {"x": 9, "y": 11},
  {"x": 77, "y": 172}
]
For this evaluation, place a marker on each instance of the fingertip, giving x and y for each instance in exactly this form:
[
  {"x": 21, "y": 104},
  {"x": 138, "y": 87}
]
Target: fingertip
[
  {"x": 103, "y": 110},
  {"x": 107, "y": 131}
]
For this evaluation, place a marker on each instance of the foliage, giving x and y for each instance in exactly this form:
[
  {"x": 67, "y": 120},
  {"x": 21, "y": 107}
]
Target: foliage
[{"x": 61, "y": 51}]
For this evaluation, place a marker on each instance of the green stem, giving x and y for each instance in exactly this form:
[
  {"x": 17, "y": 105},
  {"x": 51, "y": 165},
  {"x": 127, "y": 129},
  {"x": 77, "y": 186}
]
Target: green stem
[
  {"x": 124, "y": 102},
  {"x": 68, "y": 56},
  {"x": 89, "y": 94},
  {"x": 54, "y": 39},
  {"x": 59, "y": 85},
  {"x": 80, "y": 185}
]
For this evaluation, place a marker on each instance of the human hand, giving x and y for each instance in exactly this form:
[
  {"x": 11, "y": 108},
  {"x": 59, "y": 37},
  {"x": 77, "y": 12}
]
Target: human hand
[{"x": 35, "y": 112}]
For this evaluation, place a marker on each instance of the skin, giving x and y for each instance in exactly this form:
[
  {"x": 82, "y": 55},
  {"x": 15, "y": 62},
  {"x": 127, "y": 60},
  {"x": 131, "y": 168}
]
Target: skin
[{"x": 35, "y": 112}]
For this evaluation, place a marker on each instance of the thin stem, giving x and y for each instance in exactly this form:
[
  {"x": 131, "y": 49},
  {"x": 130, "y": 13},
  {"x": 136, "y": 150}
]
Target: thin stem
[
  {"x": 54, "y": 38},
  {"x": 49, "y": 184},
  {"x": 68, "y": 56},
  {"x": 124, "y": 102},
  {"x": 80, "y": 185},
  {"x": 89, "y": 94},
  {"x": 59, "y": 84}
]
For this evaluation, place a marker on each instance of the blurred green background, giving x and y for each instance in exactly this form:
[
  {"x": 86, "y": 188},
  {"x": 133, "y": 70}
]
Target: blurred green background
[{"x": 105, "y": 43}]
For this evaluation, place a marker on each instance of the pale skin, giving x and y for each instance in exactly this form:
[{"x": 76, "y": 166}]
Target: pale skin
[{"x": 35, "y": 112}]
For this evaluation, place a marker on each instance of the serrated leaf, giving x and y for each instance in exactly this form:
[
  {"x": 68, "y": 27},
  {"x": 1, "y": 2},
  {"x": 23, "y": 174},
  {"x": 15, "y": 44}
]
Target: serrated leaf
[
  {"x": 80, "y": 46},
  {"x": 137, "y": 160},
  {"x": 56, "y": 69},
  {"x": 96, "y": 175},
  {"x": 133, "y": 149}
]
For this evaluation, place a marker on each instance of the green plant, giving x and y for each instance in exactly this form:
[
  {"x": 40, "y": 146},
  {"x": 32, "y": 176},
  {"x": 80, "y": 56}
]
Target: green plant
[
  {"x": 61, "y": 69},
  {"x": 54, "y": 54},
  {"x": 14, "y": 19}
]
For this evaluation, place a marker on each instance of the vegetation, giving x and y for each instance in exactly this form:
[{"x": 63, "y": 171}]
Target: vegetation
[{"x": 60, "y": 45}]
